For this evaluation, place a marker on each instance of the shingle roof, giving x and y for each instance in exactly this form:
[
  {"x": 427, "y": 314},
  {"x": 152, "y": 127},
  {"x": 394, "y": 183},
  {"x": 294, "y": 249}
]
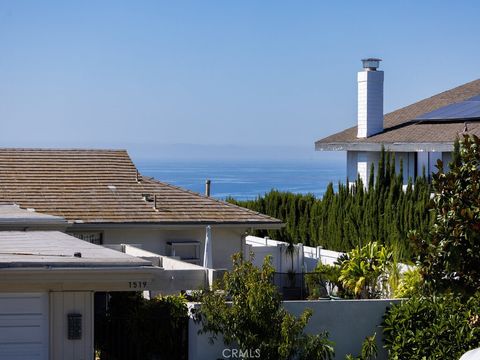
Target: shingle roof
[
  {"x": 100, "y": 186},
  {"x": 400, "y": 127}
]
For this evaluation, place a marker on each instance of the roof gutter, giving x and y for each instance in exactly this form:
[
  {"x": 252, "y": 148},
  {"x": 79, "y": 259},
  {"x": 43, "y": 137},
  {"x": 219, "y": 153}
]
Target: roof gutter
[
  {"x": 394, "y": 147},
  {"x": 176, "y": 226}
]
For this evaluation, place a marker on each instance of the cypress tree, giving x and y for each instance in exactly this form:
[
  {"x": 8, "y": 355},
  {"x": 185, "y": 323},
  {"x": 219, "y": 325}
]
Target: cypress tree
[{"x": 381, "y": 212}]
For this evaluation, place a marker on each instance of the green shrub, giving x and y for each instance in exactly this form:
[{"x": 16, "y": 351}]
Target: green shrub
[
  {"x": 366, "y": 271},
  {"x": 435, "y": 327},
  {"x": 160, "y": 323},
  {"x": 254, "y": 319},
  {"x": 137, "y": 328},
  {"x": 323, "y": 282},
  {"x": 369, "y": 350},
  {"x": 410, "y": 284}
]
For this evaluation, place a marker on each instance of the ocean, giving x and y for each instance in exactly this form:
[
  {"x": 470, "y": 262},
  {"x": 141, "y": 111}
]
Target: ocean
[{"x": 245, "y": 180}]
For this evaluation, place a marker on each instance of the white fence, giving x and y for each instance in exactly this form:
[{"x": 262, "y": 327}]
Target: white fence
[{"x": 301, "y": 259}]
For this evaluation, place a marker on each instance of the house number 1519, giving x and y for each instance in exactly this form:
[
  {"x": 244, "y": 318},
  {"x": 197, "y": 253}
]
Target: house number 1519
[{"x": 137, "y": 284}]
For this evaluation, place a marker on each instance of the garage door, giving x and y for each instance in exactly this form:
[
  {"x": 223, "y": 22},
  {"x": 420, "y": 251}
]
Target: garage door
[{"x": 24, "y": 326}]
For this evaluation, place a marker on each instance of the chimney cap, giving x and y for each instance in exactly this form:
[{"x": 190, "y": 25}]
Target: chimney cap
[{"x": 371, "y": 63}]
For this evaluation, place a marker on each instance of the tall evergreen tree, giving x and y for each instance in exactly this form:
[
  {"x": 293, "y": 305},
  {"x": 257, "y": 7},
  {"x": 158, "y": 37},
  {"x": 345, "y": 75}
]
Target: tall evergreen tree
[{"x": 353, "y": 214}]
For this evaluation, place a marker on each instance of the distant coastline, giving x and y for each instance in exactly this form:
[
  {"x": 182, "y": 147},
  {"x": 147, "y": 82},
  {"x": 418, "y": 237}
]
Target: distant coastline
[{"x": 244, "y": 179}]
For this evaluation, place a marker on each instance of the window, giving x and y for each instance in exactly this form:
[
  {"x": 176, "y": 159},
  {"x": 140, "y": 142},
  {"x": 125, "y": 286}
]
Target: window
[
  {"x": 188, "y": 251},
  {"x": 92, "y": 237}
]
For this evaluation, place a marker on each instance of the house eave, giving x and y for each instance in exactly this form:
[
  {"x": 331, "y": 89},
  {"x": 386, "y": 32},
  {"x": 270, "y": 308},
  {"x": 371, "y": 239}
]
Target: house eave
[
  {"x": 101, "y": 279},
  {"x": 377, "y": 146},
  {"x": 83, "y": 226},
  {"x": 75, "y": 279}
]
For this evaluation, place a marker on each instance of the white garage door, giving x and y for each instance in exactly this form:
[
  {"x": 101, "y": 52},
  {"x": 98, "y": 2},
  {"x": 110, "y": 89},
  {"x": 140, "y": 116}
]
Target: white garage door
[{"x": 24, "y": 326}]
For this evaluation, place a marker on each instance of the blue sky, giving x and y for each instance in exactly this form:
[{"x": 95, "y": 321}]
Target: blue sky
[{"x": 271, "y": 76}]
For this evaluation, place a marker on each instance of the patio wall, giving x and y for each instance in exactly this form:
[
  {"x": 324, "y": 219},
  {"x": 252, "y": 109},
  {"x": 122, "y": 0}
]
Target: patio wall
[{"x": 347, "y": 321}]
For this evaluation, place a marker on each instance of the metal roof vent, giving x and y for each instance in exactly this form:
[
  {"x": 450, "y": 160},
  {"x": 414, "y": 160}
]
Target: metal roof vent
[
  {"x": 148, "y": 197},
  {"x": 151, "y": 198},
  {"x": 207, "y": 188},
  {"x": 371, "y": 64}
]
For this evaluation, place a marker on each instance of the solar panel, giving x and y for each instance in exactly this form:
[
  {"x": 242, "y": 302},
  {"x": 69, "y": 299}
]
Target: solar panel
[
  {"x": 468, "y": 109},
  {"x": 475, "y": 98}
]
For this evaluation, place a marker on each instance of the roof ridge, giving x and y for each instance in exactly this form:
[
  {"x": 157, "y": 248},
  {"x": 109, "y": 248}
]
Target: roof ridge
[{"x": 61, "y": 149}]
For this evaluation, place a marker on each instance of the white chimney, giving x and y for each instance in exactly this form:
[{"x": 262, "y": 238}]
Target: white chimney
[{"x": 370, "y": 98}]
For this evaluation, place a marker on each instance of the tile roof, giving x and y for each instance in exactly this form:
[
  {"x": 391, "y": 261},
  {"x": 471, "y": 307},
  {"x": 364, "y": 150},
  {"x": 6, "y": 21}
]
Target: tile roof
[
  {"x": 100, "y": 186},
  {"x": 399, "y": 126}
]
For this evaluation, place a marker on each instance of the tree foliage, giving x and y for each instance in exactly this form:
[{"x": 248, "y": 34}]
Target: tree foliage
[
  {"x": 435, "y": 327},
  {"x": 362, "y": 273},
  {"x": 444, "y": 322},
  {"x": 369, "y": 350},
  {"x": 366, "y": 271},
  {"x": 411, "y": 283},
  {"x": 352, "y": 215},
  {"x": 324, "y": 282},
  {"x": 253, "y": 319},
  {"x": 450, "y": 255}
]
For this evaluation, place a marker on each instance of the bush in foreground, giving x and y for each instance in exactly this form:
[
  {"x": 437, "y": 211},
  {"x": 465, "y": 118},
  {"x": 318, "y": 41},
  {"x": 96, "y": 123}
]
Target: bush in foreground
[
  {"x": 254, "y": 321},
  {"x": 434, "y": 327},
  {"x": 137, "y": 328}
]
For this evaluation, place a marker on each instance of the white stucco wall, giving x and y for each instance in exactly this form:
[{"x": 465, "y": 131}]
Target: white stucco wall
[
  {"x": 348, "y": 322},
  {"x": 225, "y": 241}
]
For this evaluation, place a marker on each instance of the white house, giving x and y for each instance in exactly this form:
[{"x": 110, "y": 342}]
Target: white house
[
  {"x": 47, "y": 282},
  {"x": 418, "y": 134},
  {"x": 172, "y": 239},
  {"x": 107, "y": 202}
]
